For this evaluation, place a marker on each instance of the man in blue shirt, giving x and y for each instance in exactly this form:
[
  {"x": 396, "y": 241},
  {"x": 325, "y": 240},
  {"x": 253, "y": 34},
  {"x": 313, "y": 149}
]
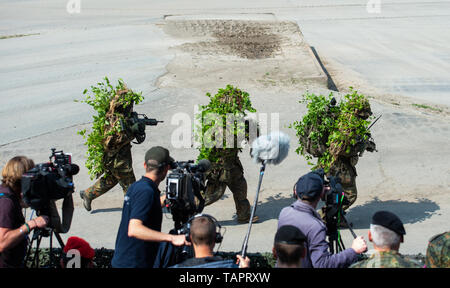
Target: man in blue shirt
[{"x": 139, "y": 232}]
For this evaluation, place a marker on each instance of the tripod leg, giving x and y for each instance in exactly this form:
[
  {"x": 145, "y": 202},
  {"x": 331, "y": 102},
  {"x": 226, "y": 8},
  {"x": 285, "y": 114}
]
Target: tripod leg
[
  {"x": 60, "y": 241},
  {"x": 348, "y": 225},
  {"x": 51, "y": 248},
  {"x": 340, "y": 245},
  {"x": 29, "y": 251},
  {"x": 36, "y": 252}
]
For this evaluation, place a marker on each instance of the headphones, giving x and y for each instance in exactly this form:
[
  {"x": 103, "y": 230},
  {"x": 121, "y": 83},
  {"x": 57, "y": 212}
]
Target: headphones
[{"x": 219, "y": 236}]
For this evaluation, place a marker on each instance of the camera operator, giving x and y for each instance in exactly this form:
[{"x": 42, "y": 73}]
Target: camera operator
[
  {"x": 139, "y": 232},
  {"x": 203, "y": 235},
  {"x": 309, "y": 190},
  {"x": 13, "y": 227}
]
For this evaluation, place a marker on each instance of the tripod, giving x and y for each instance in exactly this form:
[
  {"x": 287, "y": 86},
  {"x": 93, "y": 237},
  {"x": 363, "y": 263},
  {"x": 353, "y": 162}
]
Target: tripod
[
  {"x": 38, "y": 233},
  {"x": 335, "y": 241}
]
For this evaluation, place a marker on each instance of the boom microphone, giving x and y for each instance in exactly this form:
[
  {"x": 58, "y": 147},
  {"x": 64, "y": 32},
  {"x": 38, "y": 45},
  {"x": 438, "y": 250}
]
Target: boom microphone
[
  {"x": 272, "y": 148},
  {"x": 267, "y": 149}
]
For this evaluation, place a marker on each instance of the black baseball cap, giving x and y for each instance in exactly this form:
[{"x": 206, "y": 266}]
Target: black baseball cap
[
  {"x": 289, "y": 234},
  {"x": 389, "y": 220},
  {"x": 159, "y": 154},
  {"x": 309, "y": 185}
]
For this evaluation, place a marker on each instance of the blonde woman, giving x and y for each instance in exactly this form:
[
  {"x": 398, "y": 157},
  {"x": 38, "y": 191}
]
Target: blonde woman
[{"x": 13, "y": 228}]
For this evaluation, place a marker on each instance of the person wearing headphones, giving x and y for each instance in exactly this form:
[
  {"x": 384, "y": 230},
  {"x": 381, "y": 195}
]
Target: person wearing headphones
[
  {"x": 203, "y": 231},
  {"x": 139, "y": 232}
]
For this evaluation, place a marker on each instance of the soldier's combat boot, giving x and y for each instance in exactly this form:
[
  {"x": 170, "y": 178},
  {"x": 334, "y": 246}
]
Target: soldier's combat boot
[{"x": 86, "y": 201}]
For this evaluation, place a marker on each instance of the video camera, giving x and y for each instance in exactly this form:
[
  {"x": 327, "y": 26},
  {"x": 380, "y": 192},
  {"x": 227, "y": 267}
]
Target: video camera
[
  {"x": 183, "y": 187},
  {"x": 334, "y": 198},
  {"x": 333, "y": 214},
  {"x": 137, "y": 125},
  {"x": 49, "y": 181}
]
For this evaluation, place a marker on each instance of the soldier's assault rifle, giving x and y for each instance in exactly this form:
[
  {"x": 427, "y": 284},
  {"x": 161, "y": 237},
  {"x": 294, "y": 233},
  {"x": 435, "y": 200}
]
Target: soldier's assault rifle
[
  {"x": 137, "y": 125},
  {"x": 368, "y": 144}
]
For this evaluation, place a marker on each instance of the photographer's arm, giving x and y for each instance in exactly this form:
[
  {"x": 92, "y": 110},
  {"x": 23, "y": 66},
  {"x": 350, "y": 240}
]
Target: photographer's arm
[
  {"x": 137, "y": 229},
  {"x": 9, "y": 238}
]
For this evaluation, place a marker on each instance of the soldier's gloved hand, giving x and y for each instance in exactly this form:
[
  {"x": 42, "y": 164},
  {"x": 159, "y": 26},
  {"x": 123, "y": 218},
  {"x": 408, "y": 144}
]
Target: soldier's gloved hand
[
  {"x": 137, "y": 128},
  {"x": 371, "y": 146}
]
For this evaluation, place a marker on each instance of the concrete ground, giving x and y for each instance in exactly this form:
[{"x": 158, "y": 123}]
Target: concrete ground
[{"x": 399, "y": 57}]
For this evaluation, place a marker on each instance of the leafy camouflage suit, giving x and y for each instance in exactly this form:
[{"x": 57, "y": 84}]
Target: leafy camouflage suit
[
  {"x": 117, "y": 160},
  {"x": 386, "y": 259},
  {"x": 345, "y": 165},
  {"x": 227, "y": 170},
  {"x": 438, "y": 251}
]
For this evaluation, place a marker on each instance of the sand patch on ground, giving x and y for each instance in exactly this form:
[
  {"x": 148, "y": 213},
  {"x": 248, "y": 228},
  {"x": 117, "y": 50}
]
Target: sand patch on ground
[{"x": 260, "y": 53}]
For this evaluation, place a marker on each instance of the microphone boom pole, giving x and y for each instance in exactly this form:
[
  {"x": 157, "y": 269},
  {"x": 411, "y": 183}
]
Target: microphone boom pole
[
  {"x": 247, "y": 236},
  {"x": 267, "y": 149}
]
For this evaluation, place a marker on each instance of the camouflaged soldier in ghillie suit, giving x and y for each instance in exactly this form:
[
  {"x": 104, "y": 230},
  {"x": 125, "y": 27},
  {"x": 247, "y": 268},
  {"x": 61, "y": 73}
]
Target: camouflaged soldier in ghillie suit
[
  {"x": 346, "y": 158},
  {"x": 227, "y": 170},
  {"x": 386, "y": 259},
  {"x": 117, "y": 160},
  {"x": 438, "y": 251}
]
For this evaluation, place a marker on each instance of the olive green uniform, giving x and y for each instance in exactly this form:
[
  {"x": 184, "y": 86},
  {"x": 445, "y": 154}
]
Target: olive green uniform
[
  {"x": 228, "y": 172},
  {"x": 386, "y": 259},
  {"x": 118, "y": 169},
  {"x": 345, "y": 169},
  {"x": 117, "y": 160}
]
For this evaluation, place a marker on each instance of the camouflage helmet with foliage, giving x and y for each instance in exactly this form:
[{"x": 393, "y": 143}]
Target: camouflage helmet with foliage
[
  {"x": 360, "y": 105},
  {"x": 232, "y": 99},
  {"x": 120, "y": 104}
]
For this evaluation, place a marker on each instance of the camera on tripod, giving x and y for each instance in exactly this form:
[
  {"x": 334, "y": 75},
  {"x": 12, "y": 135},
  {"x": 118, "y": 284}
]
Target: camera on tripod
[
  {"x": 333, "y": 214},
  {"x": 49, "y": 181},
  {"x": 183, "y": 190},
  {"x": 41, "y": 187}
]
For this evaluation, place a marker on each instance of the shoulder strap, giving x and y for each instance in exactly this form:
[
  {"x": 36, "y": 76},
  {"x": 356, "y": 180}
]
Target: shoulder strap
[{"x": 7, "y": 195}]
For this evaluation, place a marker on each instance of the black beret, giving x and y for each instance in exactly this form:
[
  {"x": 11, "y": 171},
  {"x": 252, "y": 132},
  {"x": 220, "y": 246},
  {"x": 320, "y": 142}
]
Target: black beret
[
  {"x": 309, "y": 185},
  {"x": 389, "y": 220},
  {"x": 289, "y": 234}
]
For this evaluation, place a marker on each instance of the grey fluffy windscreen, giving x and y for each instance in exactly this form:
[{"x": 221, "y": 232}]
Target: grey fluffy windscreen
[{"x": 272, "y": 148}]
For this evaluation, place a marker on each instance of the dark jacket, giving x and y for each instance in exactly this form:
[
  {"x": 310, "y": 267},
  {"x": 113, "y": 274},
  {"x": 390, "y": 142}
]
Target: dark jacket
[
  {"x": 305, "y": 218},
  {"x": 11, "y": 217}
]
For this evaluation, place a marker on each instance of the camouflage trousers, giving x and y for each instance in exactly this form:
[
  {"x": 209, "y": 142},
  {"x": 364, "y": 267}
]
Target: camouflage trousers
[
  {"x": 347, "y": 173},
  {"x": 118, "y": 169},
  {"x": 229, "y": 175},
  {"x": 350, "y": 192}
]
